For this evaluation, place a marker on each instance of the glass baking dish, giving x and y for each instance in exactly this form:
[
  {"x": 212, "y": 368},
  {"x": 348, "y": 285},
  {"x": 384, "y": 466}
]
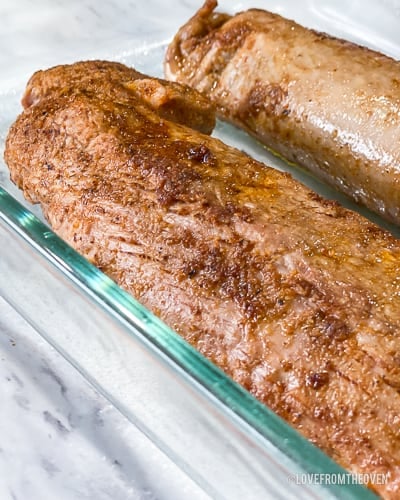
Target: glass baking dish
[{"x": 233, "y": 446}]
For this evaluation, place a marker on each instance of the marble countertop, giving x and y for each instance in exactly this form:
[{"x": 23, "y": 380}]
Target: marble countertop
[{"x": 60, "y": 439}]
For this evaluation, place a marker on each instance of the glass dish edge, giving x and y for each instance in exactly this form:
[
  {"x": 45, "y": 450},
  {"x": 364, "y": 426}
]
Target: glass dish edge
[{"x": 235, "y": 402}]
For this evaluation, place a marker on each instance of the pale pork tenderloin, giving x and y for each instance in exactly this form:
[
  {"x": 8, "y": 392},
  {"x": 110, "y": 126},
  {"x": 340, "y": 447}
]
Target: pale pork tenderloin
[{"x": 326, "y": 104}]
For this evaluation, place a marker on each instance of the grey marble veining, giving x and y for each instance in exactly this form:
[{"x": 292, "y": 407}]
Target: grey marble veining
[{"x": 59, "y": 439}]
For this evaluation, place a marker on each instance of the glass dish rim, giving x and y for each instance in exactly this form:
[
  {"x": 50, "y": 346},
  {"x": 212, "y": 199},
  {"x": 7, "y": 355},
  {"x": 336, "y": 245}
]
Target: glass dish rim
[{"x": 244, "y": 410}]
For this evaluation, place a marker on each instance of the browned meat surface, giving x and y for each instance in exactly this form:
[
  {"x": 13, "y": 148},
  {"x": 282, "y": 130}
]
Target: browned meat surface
[
  {"x": 116, "y": 81},
  {"x": 294, "y": 297},
  {"x": 326, "y": 104}
]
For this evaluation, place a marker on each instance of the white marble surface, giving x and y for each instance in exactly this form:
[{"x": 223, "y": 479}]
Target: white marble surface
[{"x": 59, "y": 439}]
